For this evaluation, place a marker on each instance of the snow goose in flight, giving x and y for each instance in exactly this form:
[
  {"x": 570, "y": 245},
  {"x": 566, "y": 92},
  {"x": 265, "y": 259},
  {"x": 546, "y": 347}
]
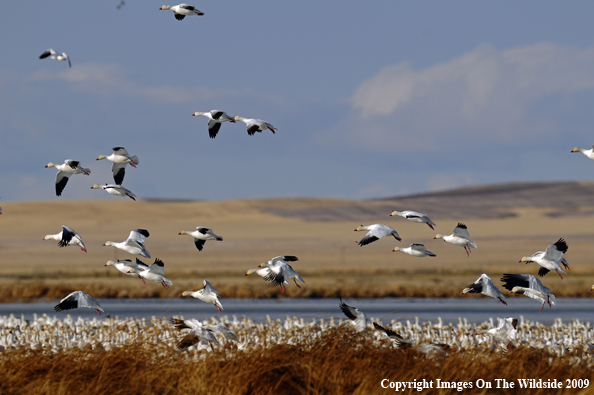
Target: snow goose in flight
[
  {"x": 78, "y": 299},
  {"x": 255, "y": 125},
  {"x": 356, "y": 317},
  {"x": 56, "y": 56},
  {"x": 183, "y": 10},
  {"x": 529, "y": 285},
  {"x": 207, "y": 294},
  {"x": 398, "y": 340},
  {"x": 120, "y": 159},
  {"x": 550, "y": 259},
  {"x": 116, "y": 190},
  {"x": 485, "y": 286},
  {"x": 215, "y": 117},
  {"x": 66, "y": 237},
  {"x": 134, "y": 244},
  {"x": 417, "y": 250},
  {"x": 201, "y": 235},
  {"x": 459, "y": 237},
  {"x": 414, "y": 217},
  {"x": 126, "y": 265},
  {"x": 65, "y": 170},
  {"x": 588, "y": 152},
  {"x": 281, "y": 272},
  {"x": 506, "y": 332},
  {"x": 376, "y": 232},
  {"x": 155, "y": 273},
  {"x": 195, "y": 332}
]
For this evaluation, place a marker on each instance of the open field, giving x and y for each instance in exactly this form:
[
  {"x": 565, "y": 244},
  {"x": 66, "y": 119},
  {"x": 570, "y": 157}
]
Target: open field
[{"x": 507, "y": 222}]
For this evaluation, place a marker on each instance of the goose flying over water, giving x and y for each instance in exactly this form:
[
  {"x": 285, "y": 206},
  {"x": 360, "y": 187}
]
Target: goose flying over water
[
  {"x": 65, "y": 170},
  {"x": 120, "y": 158},
  {"x": 207, "y": 294},
  {"x": 528, "y": 285},
  {"x": 281, "y": 272},
  {"x": 376, "y": 232},
  {"x": 116, "y": 190},
  {"x": 417, "y": 250},
  {"x": 255, "y": 125},
  {"x": 356, "y": 317},
  {"x": 550, "y": 259},
  {"x": 78, "y": 299},
  {"x": 201, "y": 235},
  {"x": 414, "y": 217},
  {"x": 485, "y": 285},
  {"x": 56, "y": 56},
  {"x": 66, "y": 237},
  {"x": 183, "y": 10},
  {"x": 215, "y": 117},
  {"x": 134, "y": 244},
  {"x": 459, "y": 237}
]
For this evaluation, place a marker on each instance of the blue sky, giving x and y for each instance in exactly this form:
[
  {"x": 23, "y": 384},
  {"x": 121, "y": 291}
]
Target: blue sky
[{"x": 371, "y": 99}]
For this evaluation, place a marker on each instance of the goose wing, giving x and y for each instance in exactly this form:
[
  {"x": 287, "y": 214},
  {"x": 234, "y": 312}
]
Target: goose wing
[
  {"x": 78, "y": 299},
  {"x": 461, "y": 230}
]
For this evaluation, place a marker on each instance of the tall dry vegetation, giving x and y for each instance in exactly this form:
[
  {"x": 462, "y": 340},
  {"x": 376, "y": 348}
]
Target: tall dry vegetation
[{"x": 339, "y": 362}]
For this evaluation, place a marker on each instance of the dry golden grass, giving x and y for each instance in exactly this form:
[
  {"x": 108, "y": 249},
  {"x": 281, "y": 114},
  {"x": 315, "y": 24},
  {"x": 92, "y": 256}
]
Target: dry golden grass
[{"x": 339, "y": 362}]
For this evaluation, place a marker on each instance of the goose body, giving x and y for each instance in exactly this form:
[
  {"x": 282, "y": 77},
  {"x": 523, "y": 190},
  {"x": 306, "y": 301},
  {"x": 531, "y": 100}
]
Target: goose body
[
  {"x": 195, "y": 332},
  {"x": 550, "y": 259},
  {"x": 281, "y": 272},
  {"x": 207, "y": 294},
  {"x": 459, "y": 237},
  {"x": 67, "y": 237},
  {"x": 485, "y": 285},
  {"x": 156, "y": 273},
  {"x": 255, "y": 125},
  {"x": 65, "y": 170},
  {"x": 120, "y": 158},
  {"x": 417, "y": 250},
  {"x": 78, "y": 299},
  {"x": 129, "y": 267},
  {"x": 55, "y": 56},
  {"x": 414, "y": 217},
  {"x": 215, "y": 118},
  {"x": 376, "y": 232},
  {"x": 116, "y": 190},
  {"x": 528, "y": 285},
  {"x": 588, "y": 152},
  {"x": 201, "y": 235},
  {"x": 183, "y": 10},
  {"x": 134, "y": 244}
]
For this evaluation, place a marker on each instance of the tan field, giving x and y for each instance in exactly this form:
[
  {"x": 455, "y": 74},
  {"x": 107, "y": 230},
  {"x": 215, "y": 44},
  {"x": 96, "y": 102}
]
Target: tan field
[{"x": 505, "y": 222}]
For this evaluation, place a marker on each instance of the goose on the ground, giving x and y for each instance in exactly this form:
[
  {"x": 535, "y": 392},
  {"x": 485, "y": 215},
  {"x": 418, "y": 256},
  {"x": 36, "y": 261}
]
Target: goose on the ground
[
  {"x": 66, "y": 237},
  {"x": 528, "y": 285},
  {"x": 255, "y": 125},
  {"x": 65, "y": 170},
  {"x": 414, "y": 217},
  {"x": 134, "y": 244},
  {"x": 126, "y": 265},
  {"x": 201, "y": 235},
  {"x": 356, "y": 317},
  {"x": 459, "y": 237},
  {"x": 207, "y": 294},
  {"x": 120, "y": 158},
  {"x": 376, "y": 232},
  {"x": 485, "y": 286},
  {"x": 182, "y": 10},
  {"x": 116, "y": 190},
  {"x": 417, "y": 250},
  {"x": 550, "y": 259},
  {"x": 78, "y": 299},
  {"x": 215, "y": 118},
  {"x": 588, "y": 152},
  {"x": 155, "y": 273},
  {"x": 56, "y": 56},
  {"x": 281, "y": 272}
]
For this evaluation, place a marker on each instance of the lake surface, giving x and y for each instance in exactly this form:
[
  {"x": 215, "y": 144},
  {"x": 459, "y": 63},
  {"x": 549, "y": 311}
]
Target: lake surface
[{"x": 386, "y": 309}]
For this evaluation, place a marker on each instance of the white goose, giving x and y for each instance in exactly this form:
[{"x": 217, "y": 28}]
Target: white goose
[
  {"x": 216, "y": 117},
  {"x": 549, "y": 260},
  {"x": 417, "y": 250},
  {"x": 356, "y": 317},
  {"x": 376, "y": 232},
  {"x": 56, "y": 56},
  {"x": 134, "y": 244},
  {"x": 207, "y": 294},
  {"x": 459, "y": 237},
  {"x": 65, "y": 170},
  {"x": 414, "y": 217},
  {"x": 201, "y": 235},
  {"x": 255, "y": 125},
  {"x": 155, "y": 273},
  {"x": 66, "y": 237},
  {"x": 116, "y": 190},
  {"x": 183, "y": 10},
  {"x": 588, "y": 152},
  {"x": 78, "y": 299},
  {"x": 485, "y": 286},
  {"x": 120, "y": 159},
  {"x": 506, "y": 332},
  {"x": 126, "y": 265},
  {"x": 281, "y": 272},
  {"x": 529, "y": 285}
]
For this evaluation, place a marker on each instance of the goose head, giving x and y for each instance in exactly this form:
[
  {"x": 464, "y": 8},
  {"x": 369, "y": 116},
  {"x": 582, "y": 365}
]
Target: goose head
[{"x": 165, "y": 7}]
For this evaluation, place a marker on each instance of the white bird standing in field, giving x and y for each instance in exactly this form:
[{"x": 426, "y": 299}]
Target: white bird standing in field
[
  {"x": 65, "y": 170},
  {"x": 588, "y": 152},
  {"x": 549, "y": 260},
  {"x": 459, "y": 237},
  {"x": 78, "y": 299},
  {"x": 528, "y": 285},
  {"x": 56, "y": 56},
  {"x": 216, "y": 117},
  {"x": 155, "y": 273},
  {"x": 120, "y": 158},
  {"x": 207, "y": 294},
  {"x": 414, "y": 217},
  {"x": 485, "y": 285},
  {"x": 376, "y": 232},
  {"x": 116, "y": 190},
  {"x": 201, "y": 235},
  {"x": 126, "y": 265},
  {"x": 417, "y": 250},
  {"x": 182, "y": 10},
  {"x": 356, "y": 317},
  {"x": 134, "y": 244},
  {"x": 255, "y": 125},
  {"x": 66, "y": 237}
]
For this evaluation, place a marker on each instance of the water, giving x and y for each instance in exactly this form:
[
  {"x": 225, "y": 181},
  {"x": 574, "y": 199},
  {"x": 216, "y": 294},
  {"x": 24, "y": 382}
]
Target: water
[{"x": 475, "y": 310}]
